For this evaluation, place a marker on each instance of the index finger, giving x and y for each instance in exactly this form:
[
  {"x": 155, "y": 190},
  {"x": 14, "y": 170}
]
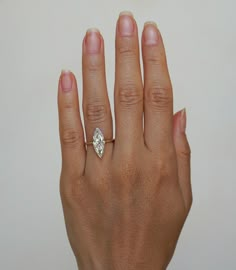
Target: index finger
[{"x": 158, "y": 97}]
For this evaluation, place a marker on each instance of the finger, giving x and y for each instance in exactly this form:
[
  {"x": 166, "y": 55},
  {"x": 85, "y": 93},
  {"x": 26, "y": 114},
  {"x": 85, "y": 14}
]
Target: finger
[
  {"x": 96, "y": 106},
  {"x": 183, "y": 156},
  {"x": 158, "y": 98},
  {"x": 128, "y": 83},
  {"x": 71, "y": 130}
]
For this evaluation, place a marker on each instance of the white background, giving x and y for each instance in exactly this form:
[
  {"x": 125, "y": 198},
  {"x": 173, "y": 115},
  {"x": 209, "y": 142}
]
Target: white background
[{"x": 37, "y": 40}]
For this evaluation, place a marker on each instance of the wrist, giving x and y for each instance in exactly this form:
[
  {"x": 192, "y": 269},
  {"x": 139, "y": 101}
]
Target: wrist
[{"x": 111, "y": 266}]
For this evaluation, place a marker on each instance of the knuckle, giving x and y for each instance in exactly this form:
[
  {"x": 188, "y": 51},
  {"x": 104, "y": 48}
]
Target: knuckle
[
  {"x": 68, "y": 103},
  {"x": 70, "y": 194},
  {"x": 69, "y": 106},
  {"x": 128, "y": 94},
  {"x": 94, "y": 65},
  {"x": 156, "y": 59},
  {"x": 129, "y": 170},
  {"x": 71, "y": 185},
  {"x": 95, "y": 112},
  {"x": 130, "y": 177},
  {"x": 70, "y": 137},
  {"x": 126, "y": 51},
  {"x": 126, "y": 168},
  {"x": 160, "y": 98},
  {"x": 186, "y": 151},
  {"x": 164, "y": 170}
]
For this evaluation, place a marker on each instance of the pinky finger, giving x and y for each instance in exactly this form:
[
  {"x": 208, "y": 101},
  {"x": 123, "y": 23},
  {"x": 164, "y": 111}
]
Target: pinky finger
[
  {"x": 183, "y": 156},
  {"x": 70, "y": 126}
]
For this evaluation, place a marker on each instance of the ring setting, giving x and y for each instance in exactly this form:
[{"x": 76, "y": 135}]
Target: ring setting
[{"x": 99, "y": 142}]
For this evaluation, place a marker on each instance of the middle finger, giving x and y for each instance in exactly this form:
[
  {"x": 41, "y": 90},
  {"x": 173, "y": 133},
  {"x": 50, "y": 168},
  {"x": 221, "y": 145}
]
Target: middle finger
[{"x": 128, "y": 84}]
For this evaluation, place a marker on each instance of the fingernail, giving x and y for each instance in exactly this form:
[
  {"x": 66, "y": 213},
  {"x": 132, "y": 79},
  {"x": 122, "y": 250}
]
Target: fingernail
[
  {"x": 126, "y": 23},
  {"x": 93, "y": 41},
  {"x": 126, "y": 12},
  {"x": 66, "y": 80},
  {"x": 150, "y": 23},
  {"x": 150, "y": 33},
  {"x": 183, "y": 120}
]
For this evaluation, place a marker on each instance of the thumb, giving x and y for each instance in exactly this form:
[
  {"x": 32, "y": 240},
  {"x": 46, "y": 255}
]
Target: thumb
[{"x": 183, "y": 155}]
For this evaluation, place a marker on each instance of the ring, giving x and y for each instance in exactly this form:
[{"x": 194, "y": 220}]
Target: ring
[{"x": 99, "y": 142}]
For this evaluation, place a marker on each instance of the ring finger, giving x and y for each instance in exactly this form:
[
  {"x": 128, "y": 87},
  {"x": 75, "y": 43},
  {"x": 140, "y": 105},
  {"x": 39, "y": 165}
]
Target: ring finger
[{"x": 96, "y": 106}]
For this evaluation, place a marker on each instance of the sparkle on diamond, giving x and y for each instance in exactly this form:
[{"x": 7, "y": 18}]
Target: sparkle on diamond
[{"x": 98, "y": 142}]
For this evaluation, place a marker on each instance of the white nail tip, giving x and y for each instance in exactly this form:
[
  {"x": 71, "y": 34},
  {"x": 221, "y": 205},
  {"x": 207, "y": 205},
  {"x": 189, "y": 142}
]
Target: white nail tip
[
  {"x": 65, "y": 71},
  {"x": 93, "y": 29},
  {"x": 128, "y": 13},
  {"x": 150, "y": 23}
]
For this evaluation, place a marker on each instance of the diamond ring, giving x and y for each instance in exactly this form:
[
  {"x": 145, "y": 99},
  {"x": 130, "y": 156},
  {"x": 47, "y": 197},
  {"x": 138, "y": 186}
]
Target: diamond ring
[{"x": 99, "y": 142}]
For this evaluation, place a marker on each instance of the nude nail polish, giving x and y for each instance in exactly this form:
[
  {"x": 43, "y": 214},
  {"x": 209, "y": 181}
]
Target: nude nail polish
[
  {"x": 150, "y": 33},
  {"x": 66, "y": 80},
  {"x": 93, "y": 41},
  {"x": 126, "y": 24}
]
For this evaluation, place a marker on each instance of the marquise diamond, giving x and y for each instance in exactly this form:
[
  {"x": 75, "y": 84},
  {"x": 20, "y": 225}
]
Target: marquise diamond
[{"x": 98, "y": 142}]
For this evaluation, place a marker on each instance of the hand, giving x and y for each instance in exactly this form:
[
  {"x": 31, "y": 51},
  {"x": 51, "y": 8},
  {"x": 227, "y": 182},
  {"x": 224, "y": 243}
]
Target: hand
[{"x": 126, "y": 209}]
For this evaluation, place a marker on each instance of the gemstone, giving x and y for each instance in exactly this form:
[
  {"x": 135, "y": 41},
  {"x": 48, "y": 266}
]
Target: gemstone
[{"x": 98, "y": 142}]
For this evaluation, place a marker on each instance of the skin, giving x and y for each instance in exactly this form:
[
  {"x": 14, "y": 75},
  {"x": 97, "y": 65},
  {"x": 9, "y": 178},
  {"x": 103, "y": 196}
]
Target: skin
[{"x": 126, "y": 210}]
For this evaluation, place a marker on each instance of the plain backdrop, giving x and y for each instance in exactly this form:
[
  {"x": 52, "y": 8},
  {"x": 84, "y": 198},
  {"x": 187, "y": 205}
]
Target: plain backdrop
[{"x": 37, "y": 40}]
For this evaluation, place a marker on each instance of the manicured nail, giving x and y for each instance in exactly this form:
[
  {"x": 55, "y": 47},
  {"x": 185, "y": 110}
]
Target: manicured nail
[
  {"x": 150, "y": 33},
  {"x": 66, "y": 80},
  {"x": 183, "y": 120},
  {"x": 126, "y": 12},
  {"x": 93, "y": 41},
  {"x": 126, "y": 23},
  {"x": 150, "y": 23}
]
